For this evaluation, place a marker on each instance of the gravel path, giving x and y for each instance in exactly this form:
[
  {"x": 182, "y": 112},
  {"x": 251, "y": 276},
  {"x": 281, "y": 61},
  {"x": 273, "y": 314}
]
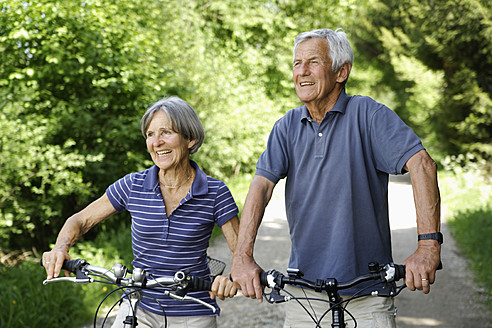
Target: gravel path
[{"x": 454, "y": 301}]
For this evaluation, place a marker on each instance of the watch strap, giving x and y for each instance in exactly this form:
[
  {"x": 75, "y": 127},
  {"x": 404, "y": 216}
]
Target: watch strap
[{"x": 435, "y": 235}]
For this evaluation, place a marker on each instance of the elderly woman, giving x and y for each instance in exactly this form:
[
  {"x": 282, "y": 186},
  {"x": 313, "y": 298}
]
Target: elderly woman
[{"x": 174, "y": 206}]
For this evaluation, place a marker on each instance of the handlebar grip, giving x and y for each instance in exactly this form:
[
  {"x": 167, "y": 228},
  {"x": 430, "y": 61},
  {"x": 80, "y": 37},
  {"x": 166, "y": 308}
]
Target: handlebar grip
[
  {"x": 200, "y": 284},
  {"x": 263, "y": 278},
  {"x": 399, "y": 271},
  {"x": 70, "y": 265}
]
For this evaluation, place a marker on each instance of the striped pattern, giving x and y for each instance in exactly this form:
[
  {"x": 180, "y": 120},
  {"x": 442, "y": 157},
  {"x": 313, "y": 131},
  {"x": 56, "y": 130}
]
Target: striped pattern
[{"x": 163, "y": 245}]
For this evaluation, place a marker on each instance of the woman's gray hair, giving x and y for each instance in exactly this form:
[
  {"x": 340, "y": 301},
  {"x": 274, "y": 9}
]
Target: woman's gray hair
[
  {"x": 340, "y": 50},
  {"x": 182, "y": 117}
]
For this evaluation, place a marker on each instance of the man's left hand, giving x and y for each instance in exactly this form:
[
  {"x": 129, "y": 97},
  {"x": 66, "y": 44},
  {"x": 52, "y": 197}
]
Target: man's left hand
[{"x": 421, "y": 266}]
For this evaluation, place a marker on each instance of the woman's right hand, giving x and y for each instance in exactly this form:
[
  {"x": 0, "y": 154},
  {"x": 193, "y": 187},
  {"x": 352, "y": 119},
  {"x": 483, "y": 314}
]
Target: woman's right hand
[
  {"x": 223, "y": 287},
  {"x": 53, "y": 261}
]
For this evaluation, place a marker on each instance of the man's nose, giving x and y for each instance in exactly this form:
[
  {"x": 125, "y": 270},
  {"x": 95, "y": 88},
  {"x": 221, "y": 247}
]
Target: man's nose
[{"x": 304, "y": 68}]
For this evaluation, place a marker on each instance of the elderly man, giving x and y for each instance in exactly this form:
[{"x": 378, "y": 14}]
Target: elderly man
[{"x": 337, "y": 152}]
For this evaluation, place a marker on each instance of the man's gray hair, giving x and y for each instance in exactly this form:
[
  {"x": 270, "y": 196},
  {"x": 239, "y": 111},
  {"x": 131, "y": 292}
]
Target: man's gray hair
[
  {"x": 340, "y": 50},
  {"x": 182, "y": 117}
]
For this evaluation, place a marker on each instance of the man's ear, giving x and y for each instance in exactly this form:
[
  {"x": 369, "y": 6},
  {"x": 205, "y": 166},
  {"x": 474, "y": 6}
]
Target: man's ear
[
  {"x": 191, "y": 144},
  {"x": 343, "y": 72}
]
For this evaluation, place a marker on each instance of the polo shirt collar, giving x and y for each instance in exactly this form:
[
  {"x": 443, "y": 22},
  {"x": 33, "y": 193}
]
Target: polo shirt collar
[
  {"x": 199, "y": 186},
  {"x": 340, "y": 106}
]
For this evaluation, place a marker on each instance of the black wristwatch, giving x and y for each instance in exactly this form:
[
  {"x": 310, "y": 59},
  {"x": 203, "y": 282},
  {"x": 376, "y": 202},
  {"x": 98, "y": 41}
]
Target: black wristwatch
[{"x": 435, "y": 235}]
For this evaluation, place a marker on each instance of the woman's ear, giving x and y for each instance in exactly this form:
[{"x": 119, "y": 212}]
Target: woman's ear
[{"x": 191, "y": 143}]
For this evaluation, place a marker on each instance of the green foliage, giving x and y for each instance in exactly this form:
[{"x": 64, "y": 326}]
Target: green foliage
[
  {"x": 27, "y": 303},
  {"x": 30, "y": 304},
  {"x": 36, "y": 178},
  {"x": 435, "y": 58},
  {"x": 466, "y": 199},
  {"x": 472, "y": 231},
  {"x": 79, "y": 74}
]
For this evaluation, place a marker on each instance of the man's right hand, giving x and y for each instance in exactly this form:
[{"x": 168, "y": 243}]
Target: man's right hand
[
  {"x": 246, "y": 273},
  {"x": 53, "y": 261}
]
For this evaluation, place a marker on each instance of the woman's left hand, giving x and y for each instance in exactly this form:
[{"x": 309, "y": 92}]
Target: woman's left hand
[{"x": 223, "y": 287}]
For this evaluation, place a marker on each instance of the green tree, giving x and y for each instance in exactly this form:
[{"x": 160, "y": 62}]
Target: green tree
[
  {"x": 79, "y": 74},
  {"x": 436, "y": 58}
]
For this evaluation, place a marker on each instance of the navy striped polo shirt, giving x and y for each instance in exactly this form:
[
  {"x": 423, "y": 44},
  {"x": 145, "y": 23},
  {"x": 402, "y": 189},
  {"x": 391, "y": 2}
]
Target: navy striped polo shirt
[{"x": 163, "y": 245}]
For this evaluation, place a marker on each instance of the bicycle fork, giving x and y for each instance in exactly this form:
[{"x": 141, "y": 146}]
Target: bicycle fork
[{"x": 131, "y": 319}]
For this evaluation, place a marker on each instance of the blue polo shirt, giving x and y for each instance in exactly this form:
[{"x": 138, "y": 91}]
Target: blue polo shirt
[
  {"x": 336, "y": 192},
  {"x": 163, "y": 245}
]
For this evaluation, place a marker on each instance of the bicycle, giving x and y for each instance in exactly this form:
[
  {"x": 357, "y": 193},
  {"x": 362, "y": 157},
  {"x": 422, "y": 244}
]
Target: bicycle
[
  {"x": 383, "y": 274},
  {"x": 177, "y": 286}
]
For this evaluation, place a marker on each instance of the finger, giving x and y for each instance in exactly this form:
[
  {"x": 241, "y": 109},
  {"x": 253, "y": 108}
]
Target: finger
[
  {"x": 425, "y": 285},
  {"x": 212, "y": 296},
  {"x": 47, "y": 266},
  {"x": 58, "y": 266},
  {"x": 432, "y": 277},
  {"x": 258, "y": 288},
  {"x": 409, "y": 280},
  {"x": 251, "y": 289},
  {"x": 215, "y": 287},
  {"x": 221, "y": 290},
  {"x": 230, "y": 290}
]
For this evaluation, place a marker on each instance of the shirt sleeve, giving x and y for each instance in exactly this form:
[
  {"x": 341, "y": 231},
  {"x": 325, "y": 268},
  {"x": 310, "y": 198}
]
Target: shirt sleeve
[
  {"x": 273, "y": 163},
  {"x": 119, "y": 192},
  {"x": 225, "y": 206},
  {"x": 392, "y": 141}
]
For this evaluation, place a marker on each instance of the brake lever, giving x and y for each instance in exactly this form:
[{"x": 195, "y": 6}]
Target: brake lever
[
  {"x": 80, "y": 278},
  {"x": 275, "y": 297},
  {"x": 189, "y": 298},
  {"x": 77, "y": 280}
]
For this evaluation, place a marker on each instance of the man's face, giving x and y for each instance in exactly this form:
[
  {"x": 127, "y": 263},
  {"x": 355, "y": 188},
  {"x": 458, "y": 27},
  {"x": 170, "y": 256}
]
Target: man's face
[{"x": 313, "y": 76}]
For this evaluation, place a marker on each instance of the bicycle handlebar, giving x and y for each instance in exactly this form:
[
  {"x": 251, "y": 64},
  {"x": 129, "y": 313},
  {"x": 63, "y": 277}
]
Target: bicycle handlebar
[
  {"x": 387, "y": 273},
  {"x": 81, "y": 268}
]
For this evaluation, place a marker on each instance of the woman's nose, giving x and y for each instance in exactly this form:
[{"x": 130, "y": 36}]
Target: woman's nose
[{"x": 157, "y": 140}]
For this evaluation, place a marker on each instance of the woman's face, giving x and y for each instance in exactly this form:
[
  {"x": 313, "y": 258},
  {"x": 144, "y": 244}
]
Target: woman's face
[{"x": 167, "y": 148}]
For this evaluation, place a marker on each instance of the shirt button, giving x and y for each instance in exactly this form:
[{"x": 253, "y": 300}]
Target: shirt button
[{"x": 320, "y": 134}]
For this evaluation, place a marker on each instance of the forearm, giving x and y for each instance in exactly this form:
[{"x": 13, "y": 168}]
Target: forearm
[
  {"x": 422, "y": 264},
  {"x": 230, "y": 230},
  {"x": 423, "y": 173},
  {"x": 71, "y": 231},
  {"x": 257, "y": 199}
]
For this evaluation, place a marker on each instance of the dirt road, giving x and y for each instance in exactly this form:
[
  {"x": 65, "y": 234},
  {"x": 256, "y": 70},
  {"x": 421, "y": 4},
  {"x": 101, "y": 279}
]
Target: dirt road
[{"x": 454, "y": 301}]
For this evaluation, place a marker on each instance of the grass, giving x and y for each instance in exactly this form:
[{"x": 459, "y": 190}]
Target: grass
[
  {"x": 30, "y": 304},
  {"x": 27, "y": 303},
  {"x": 467, "y": 199}
]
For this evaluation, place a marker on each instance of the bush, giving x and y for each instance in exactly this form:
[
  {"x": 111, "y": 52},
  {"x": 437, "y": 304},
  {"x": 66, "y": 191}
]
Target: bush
[
  {"x": 466, "y": 197},
  {"x": 472, "y": 231},
  {"x": 30, "y": 304}
]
